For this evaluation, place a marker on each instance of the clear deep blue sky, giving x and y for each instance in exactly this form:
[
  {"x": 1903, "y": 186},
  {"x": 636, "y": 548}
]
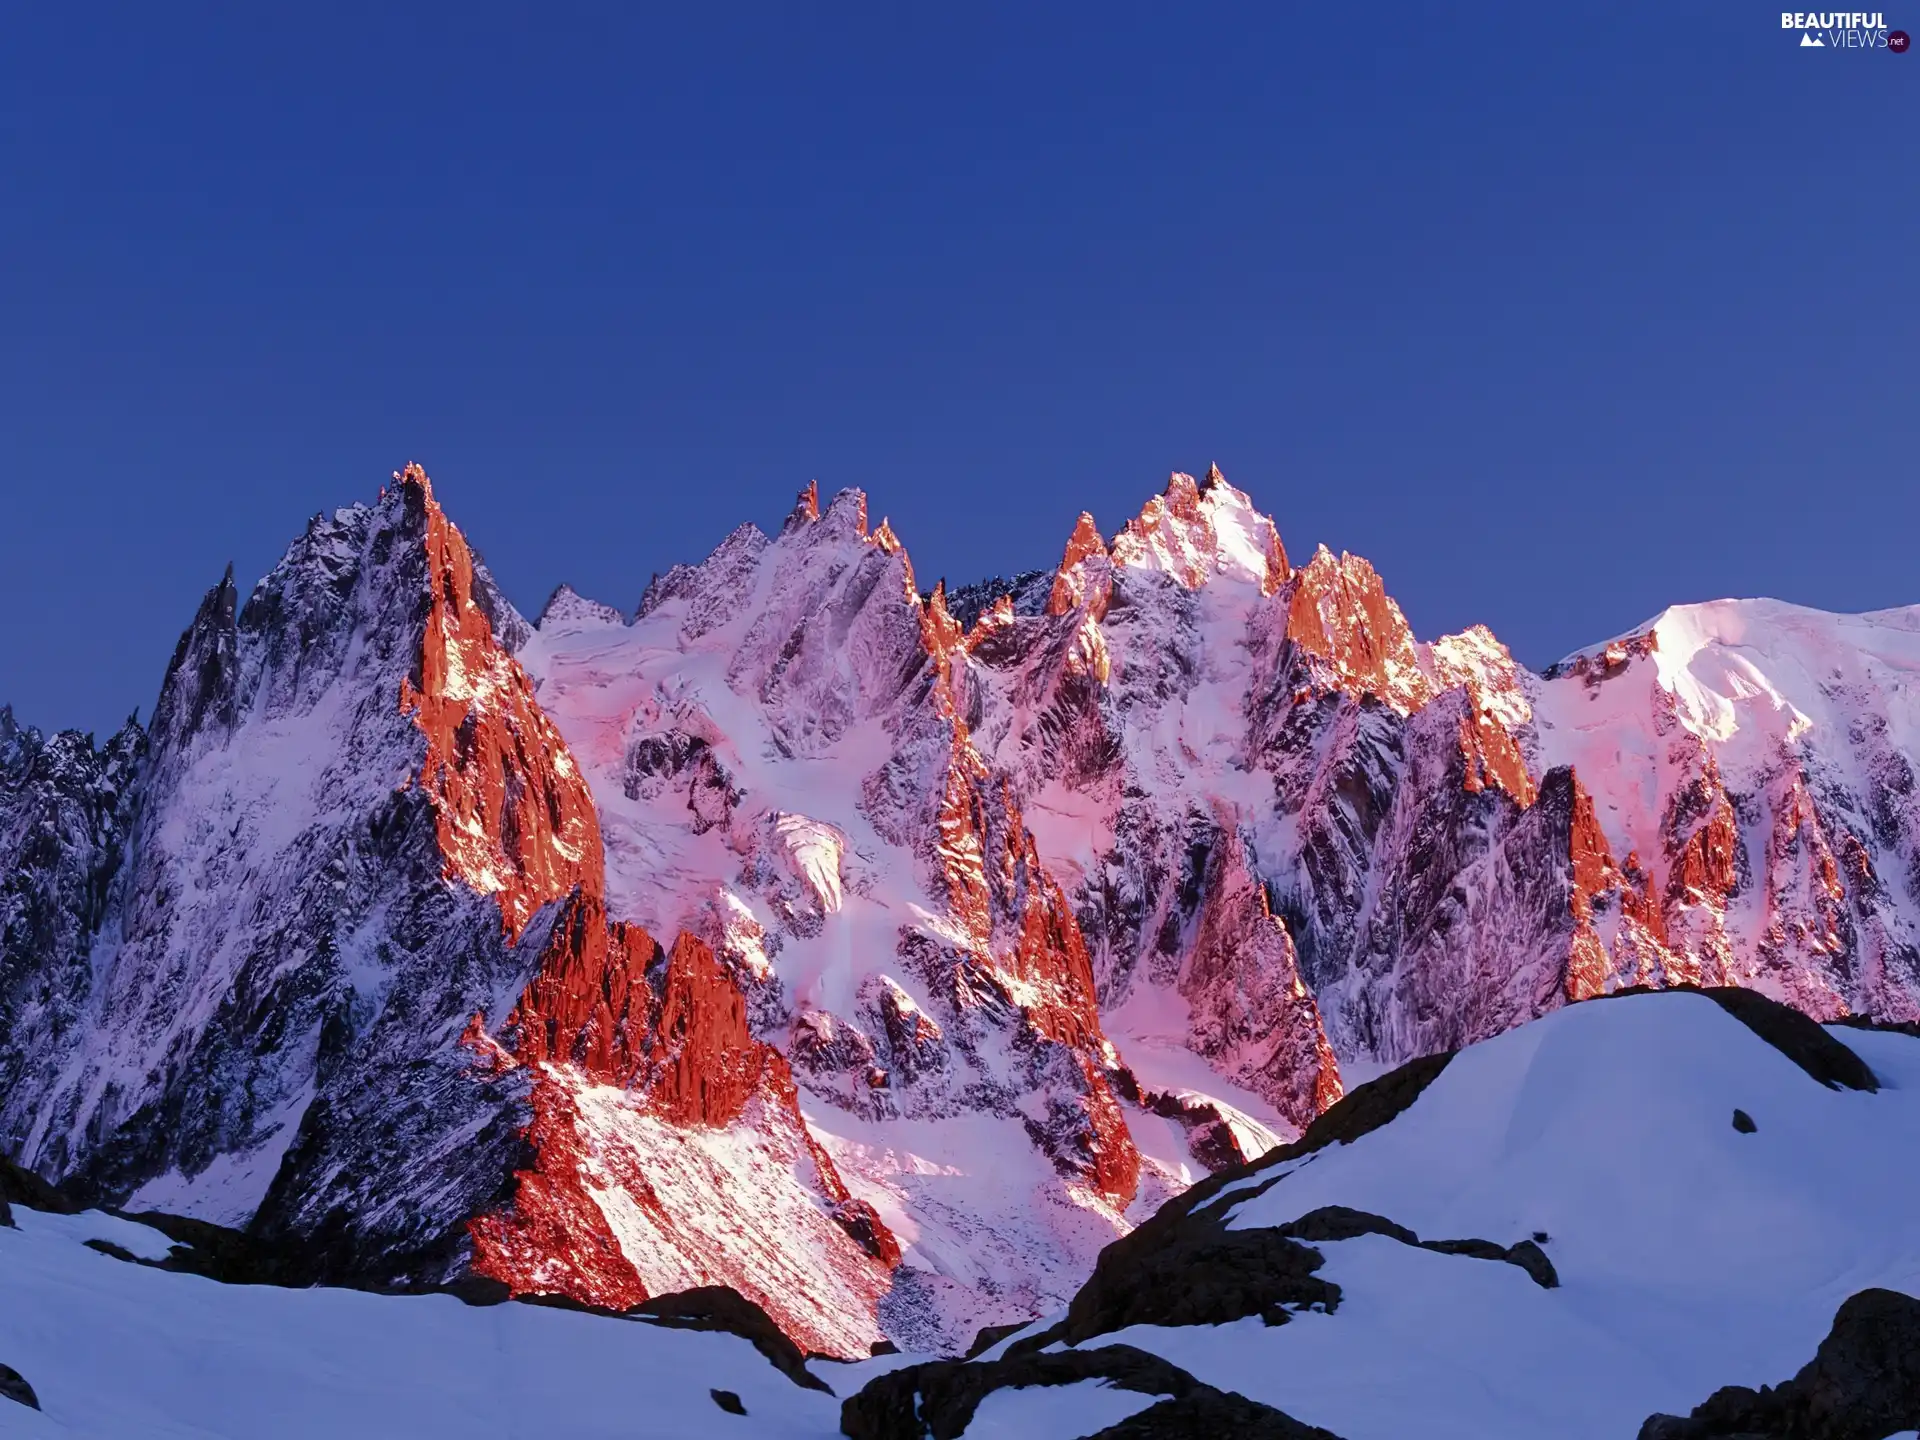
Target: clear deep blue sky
[{"x": 1558, "y": 314}]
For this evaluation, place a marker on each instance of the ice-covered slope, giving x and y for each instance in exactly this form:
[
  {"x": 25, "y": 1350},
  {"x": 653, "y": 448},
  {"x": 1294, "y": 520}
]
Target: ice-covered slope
[{"x": 1688, "y": 1250}]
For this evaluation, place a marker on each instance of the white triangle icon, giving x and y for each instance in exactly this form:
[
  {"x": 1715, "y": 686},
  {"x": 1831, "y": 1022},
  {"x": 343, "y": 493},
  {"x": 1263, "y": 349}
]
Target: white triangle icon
[{"x": 1809, "y": 42}]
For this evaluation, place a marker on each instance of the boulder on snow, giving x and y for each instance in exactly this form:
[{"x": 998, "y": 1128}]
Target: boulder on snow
[
  {"x": 989, "y": 1336},
  {"x": 14, "y": 1387}
]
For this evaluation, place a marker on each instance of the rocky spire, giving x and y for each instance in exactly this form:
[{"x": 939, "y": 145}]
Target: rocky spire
[{"x": 199, "y": 690}]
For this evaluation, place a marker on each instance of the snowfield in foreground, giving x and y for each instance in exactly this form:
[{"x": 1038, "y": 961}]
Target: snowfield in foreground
[
  {"x": 117, "y": 1351},
  {"x": 1689, "y": 1255}
]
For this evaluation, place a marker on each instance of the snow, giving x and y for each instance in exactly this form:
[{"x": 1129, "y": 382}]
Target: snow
[
  {"x": 700, "y": 1205},
  {"x": 979, "y": 1213},
  {"x": 1227, "y": 536},
  {"x": 1810, "y": 719},
  {"x": 1751, "y": 676},
  {"x": 228, "y": 1191},
  {"x": 1690, "y": 1256},
  {"x": 1150, "y": 1031},
  {"x": 1061, "y": 1411},
  {"x": 117, "y": 1351}
]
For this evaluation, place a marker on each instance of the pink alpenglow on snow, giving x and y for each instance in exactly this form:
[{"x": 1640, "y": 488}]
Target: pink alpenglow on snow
[{"x": 882, "y": 954}]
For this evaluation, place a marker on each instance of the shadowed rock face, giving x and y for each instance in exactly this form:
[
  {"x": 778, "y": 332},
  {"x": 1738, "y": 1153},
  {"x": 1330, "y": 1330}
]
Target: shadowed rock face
[
  {"x": 1862, "y": 1384},
  {"x": 66, "y": 809}
]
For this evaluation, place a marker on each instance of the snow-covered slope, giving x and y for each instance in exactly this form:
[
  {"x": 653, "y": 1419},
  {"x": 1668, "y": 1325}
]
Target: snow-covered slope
[
  {"x": 1688, "y": 1249},
  {"x": 1751, "y": 768},
  {"x": 119, "y": 1351}
]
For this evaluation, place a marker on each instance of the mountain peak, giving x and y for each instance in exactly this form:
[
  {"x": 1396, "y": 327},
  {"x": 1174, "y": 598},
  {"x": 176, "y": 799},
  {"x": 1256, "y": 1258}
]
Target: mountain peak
[
  {"x": 1083, "y": 544},
  {"x": 568, "y": 606},
  {"x": 1341, "y": 614},
  {"x": 806, "y": 507},
  {"x": 1192, "y": 534}
]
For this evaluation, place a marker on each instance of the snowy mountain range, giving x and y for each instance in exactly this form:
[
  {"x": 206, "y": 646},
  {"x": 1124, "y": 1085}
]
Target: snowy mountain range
[{"x": 879, "y": 954}]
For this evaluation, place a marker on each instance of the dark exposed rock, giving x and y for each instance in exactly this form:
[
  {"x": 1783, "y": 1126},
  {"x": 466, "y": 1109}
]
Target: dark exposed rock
[
  {"x": 108, "y": 1248},
  {"x": 991, "y": 1335},
  {"x": 719, "y": 1308},
  {"x": 474, "y": 1289},
  {"x": 217, "y": 1252},
  {"x": 1867, "y": 1022},
  {"x": 560, "y": 1300},
  {"x": 938, "y": 1399},
  {"x": 65, "y": 811},
  {"x": 1199, "y": 1273},
  {"x": 1209, "y": 1414},
  {"x": 1364, "y": 1109},
  {"x": 728, "y": 1401},
  {"x": 1532, "y": 1259},
  {"x": 1339, "y": 1222},
  {"x": 1862, "y": 1384},
  {"x": 1027, "y": 590},
  {"x": 883, "y": 1347},
  {"x": 1182, "y": 1266},
  {"x": 23, "y": 1187},
  {"x": 1743, "y": 1122},
  {"x": 1799, "y": 1038},
  {"x": 13, "y": 1386},
  {"x": 861, "y": 1221}
]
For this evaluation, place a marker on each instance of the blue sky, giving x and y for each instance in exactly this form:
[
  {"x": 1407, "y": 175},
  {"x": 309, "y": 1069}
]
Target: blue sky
[{"x": 1558, "y": 314}]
